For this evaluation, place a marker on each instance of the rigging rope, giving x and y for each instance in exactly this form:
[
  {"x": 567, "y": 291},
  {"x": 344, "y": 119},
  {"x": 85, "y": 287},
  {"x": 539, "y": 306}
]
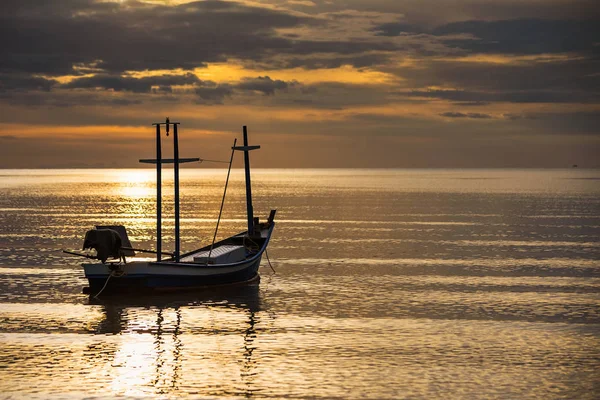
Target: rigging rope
[
  {"x": 222, "y": 202},
  {"x": 250, "y": 248},
  {"x": 217, "y": 161}
]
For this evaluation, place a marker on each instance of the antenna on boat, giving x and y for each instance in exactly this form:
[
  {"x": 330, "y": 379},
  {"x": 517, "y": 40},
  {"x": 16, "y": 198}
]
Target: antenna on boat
[
  {"x": 245, "y": 148},
  {"x": 159, "y": 161}
]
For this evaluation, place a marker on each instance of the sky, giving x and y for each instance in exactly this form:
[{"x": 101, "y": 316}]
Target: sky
[{"x": 319, "y": 83}]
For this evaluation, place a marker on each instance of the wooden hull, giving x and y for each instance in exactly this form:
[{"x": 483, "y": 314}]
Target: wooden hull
[
  {"x": 144, "y": 275},
  {"x": 169, "y": 275}
]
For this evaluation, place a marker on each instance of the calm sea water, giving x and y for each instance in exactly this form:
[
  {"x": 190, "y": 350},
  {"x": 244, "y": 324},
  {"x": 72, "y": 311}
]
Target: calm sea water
[{"x": 388, "y": 284}]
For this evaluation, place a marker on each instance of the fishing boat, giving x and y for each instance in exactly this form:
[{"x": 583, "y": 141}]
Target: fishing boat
[{"x": 231, "y": 261}]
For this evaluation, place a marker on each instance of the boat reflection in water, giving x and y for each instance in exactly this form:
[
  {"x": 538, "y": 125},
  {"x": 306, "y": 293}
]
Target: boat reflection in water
[{"x": 177, "y": 344}]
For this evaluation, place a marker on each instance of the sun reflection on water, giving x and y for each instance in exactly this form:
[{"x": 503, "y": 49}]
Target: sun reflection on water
[
  {"x": 153, "y": 347},
  {"x": 136, "y": 184}
]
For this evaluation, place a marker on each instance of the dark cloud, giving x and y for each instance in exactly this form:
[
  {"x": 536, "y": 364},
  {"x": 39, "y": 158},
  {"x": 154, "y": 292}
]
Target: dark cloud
[
  {"x": 162, "y": 83},
  {"x": 514, "y": 117},
  {"x": 397, "y": 29},
  {"x": 212, "y": 93},
  {"x": 208, "y": 91},
  {"x": 344, "y": 47},
  {"x": 427, "y": 14},
  {"x": 525, "y": 36},
  {"x": 113, "y": 37},
  {"x": 467, "y": 115},
  {"x": 479, "y": 116},
  {"x": 62, "y": 98},
  {"x": 50, "y": 39},
  {"x": 529, "y": 73},
  {"x": 547, "y": 80},
  {"x": 107, "y": 39},
  {"x": 326, "y": 61},
  {"x": 8, "y": 137},
  {"x": 19, "y": 82},
  {"x": 472, "y": 103},
  {"x": 484, "y": 98},
  {"x": 515, "y": 37},
  {"x": 129, "y": 90},
  {"x": 264, "y": 84}
]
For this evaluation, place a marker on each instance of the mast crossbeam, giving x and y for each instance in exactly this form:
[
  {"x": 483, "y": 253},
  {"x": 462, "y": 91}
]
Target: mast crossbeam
[{"x": 168, "y": 160}]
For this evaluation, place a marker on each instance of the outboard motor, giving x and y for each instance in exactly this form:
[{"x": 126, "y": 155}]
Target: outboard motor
[{"x": 106, "y": 242}]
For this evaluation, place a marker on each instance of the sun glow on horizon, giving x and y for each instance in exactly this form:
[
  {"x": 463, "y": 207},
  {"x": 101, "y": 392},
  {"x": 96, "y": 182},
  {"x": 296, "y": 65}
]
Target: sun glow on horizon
[{"x": 136, "y": 183}]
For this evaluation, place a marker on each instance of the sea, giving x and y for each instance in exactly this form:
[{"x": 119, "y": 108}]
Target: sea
[{"x": 379, "y": 284}]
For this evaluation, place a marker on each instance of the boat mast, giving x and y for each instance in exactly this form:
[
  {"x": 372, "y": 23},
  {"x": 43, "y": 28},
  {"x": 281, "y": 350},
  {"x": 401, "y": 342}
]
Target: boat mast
[
  {"x": 176, "y": 171},
  {"x": 245, "y": 148},
  {"x": 158, "y": 194},
  {"x": 159, "y": 161}
]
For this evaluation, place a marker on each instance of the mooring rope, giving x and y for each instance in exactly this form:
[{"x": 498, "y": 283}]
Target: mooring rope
[
  {"x": 103, "y": 287},
  {"x": 269, "y": 260},
  {"x": 258, "y": 248},
  {"x": 222, "y": 202},
  {"x": 116, "y": 274}
]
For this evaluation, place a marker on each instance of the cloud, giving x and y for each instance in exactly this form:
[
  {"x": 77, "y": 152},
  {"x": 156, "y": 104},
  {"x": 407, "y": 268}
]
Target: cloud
[
  {"x": 427, "y": 13},
  {"x": 20, "y": 82},
  {"x": 208, "y": 91},
  {"x": 212, "y": 93},
  {"x": 303, "y": 3},
  {"x": 467, "y": 115},
  {"x": 264, "y": 84},
  {"x": 8, "y": 137},
  {"x": 352, "y": 68},
  {"x": 472, "y": 103},
  {"x": 514, "y": 36},
  {"x": 488, "y": 97},
  {"x": 136, "y": 36},
  {"x": 524, "y": 36},
  {"x": 568, "y": 79},
  {"x": 110, "y": 40},
  {"x": 115, "y": 37},
  {"x": 323, "y": 60},
  {"x": 162, "y": 83},
  {"x": 397, "y": 29}
]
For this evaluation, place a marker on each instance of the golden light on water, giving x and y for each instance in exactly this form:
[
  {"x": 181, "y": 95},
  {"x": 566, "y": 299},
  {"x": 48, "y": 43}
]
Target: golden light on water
[
  {"x": 148, "y": 361},
  {"x": 136, "y": 176},
  {"x": 133, "y": 363},
  {"x": 389, "y": 284},
  {"x": 136, "y": 183}
]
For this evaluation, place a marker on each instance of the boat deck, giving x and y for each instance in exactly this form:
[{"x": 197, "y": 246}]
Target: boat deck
[
  {"x": 234, "y": 249},
  {"x": 224, "y": 254}
]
